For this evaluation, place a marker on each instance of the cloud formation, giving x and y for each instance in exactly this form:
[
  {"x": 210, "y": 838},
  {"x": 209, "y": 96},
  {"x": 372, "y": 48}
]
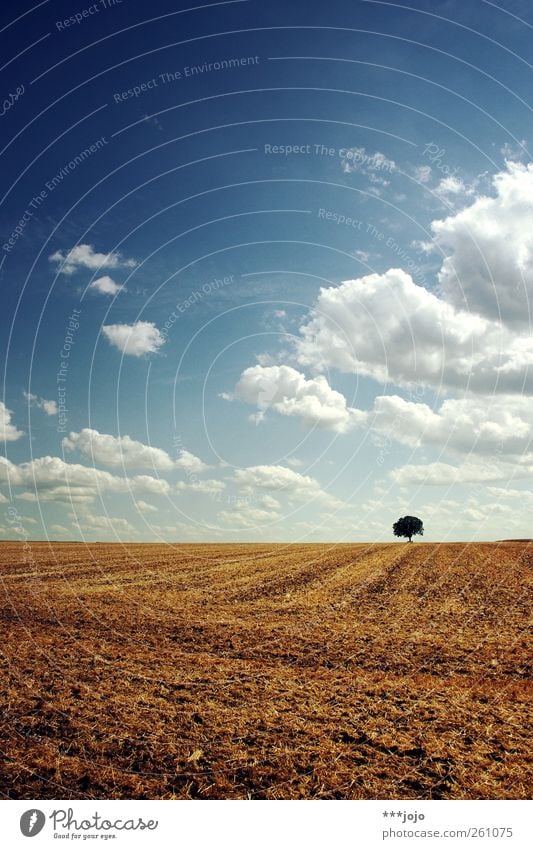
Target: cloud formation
[
  {"x": 49, "y": 407},
  {"x": 387, "y": 327},
  {"x": 8, "y": 431},
  {"x": 357, "y": 159},
  {"x": 85, "y": 256},
  {"x": 55, "y": 480},
  {"x": 499, "y": 426},
  {"x": 247, "y": 516},
  {"x": 117, "y": 451},
  {"x": 190, "y": 464},
  {"x": 286, "y": 391},
  {"x": 488, "y": 267},
  {"x": 106, "y": 286},
  {"x": 209, "y": 486},
  {"x": 136, "y": 339},
  {"x": 281, "y": 480},
  {"x": 444, "y": 474}
]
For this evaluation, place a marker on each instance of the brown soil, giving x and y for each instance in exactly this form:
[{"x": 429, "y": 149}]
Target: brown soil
[{"x": 267, "y": 672}]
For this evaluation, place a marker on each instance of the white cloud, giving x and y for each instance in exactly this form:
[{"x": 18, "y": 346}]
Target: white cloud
[
  {"x": 357, "y": 159},
  {"x": 514, "y": 152},
  {"x": 190, "y": 464},
  {"x": 55, "y": 480},
  {"x": 145, "y": 484},
  {"x": 136, "y": 339},
  {"x": 279, "y": 479},
  {"x": 247, "y": 516},
  {"x": 60, "y": 494},
  {"x": 210, "y": 487},
  {"x": 3, "y": 499},
  {"x": 386, "y": 327},
  {"x": 422, "y": 173},
  {"x": 491, "y": 426},
  {"x": 380, "y": 181},
  {"x": 117, "y": 452},
  {"x": 444, "y": 474},
  {"x": 106, "y": 286},
  {"x": 499, "y": 426},
  {"x": 84, "y": 256},
  {"x": 489, "y": 250},
  {"x": 268, "y": 502},
  {"x": 59, "y": 529},
  {"x": 294, "y": 462},
  {"x": 524, "y": 495},
  {"x": 274, "y": 478},
  {"x": 128, "y": 453},
  {"x": 144, "y": 507},
  {"x": 8, "y": 431},
  {"x": 454, "y": 186},
  {"x": 113, "y": 526},
  {"x": 49, "y": 407},
  {"x": 286, "y": 390}
]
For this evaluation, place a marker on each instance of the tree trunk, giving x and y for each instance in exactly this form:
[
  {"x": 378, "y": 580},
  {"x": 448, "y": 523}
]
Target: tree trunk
[{"x": 410, "y": 540}]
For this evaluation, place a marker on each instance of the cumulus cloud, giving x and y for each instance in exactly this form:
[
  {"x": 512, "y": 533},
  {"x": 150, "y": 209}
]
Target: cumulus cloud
[
  {"x": 279, "y": 479},
  {"x": 55, "y": 480},
  {"x": 59, "y": 529},
  {"x": 49, "y": 407},
  {"x": 145, "y": 507},
  {"x": 474, "y": 424},
  {"x": 8, "y": 431},
  {"x": 514, "y": 152},
  {"x": 387, "y": 327},
  {"x": 190, "y": 464},
  {"x": 454, "y": 187},
  {"x": 117, "y": 451},
  {"x": 247, "y": 516},
  {"x": 501, "y": 426},
  {"x": 488, "y": 267},
  {"x": 357, "y": 159},
  {"x": 445, "y": 474},
  {"x": 106, "y": 286},
  {"x": 268, "y": 502},
  {"x": 113, "y": 526},
  {"x": 286, "y": 391},
  {"x": 60, "y": 494},
  {"x": 136, "y": 339},
  {"x": 85, "y": 256},
  {"x": 275, "y": 478},
  {"x": 209, "y": 487},
  {"x": 128, "y": 453},
  {"x": 422, "y": 173}
]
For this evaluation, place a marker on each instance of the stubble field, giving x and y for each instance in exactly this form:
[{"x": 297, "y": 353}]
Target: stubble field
[{"x": 265, "y": 671}]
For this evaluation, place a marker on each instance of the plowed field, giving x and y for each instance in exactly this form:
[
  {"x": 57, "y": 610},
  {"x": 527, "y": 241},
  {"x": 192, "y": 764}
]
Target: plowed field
[{"x": 259, "y": 671}]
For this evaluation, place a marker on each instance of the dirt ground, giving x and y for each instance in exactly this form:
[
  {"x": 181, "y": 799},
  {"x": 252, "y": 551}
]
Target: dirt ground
[{"x": 265, "y": 671}]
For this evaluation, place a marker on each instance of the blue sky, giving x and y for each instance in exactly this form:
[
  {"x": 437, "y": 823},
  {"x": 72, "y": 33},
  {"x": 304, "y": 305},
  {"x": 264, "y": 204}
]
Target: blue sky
[{"x": 266, "y": 270}]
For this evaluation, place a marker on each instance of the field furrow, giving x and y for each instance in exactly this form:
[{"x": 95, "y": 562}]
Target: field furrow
[{"x": 273, "y": 672}]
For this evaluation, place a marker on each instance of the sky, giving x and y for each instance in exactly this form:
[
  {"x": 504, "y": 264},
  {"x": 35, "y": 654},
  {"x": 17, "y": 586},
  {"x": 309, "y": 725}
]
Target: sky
[{"x": 266, "y": 270}]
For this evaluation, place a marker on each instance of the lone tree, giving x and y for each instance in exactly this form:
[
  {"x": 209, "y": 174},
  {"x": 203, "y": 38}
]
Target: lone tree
[{"x": 408, "y": 526}]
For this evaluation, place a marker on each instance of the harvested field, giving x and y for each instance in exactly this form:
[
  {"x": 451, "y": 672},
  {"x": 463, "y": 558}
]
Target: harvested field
[{"x": 268, "y": 672}]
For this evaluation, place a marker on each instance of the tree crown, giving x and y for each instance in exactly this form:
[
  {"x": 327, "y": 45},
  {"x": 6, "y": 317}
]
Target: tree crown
[{"x": 408, "y": 526}]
